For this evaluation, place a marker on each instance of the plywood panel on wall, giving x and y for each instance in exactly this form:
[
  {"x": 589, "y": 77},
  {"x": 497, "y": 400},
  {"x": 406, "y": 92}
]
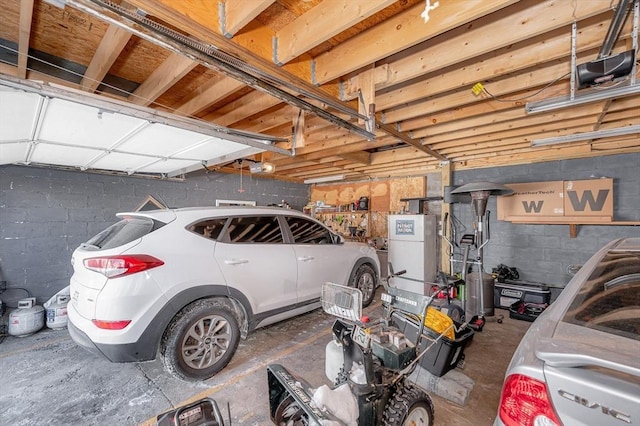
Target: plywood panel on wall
[
  {"x": 410, "y": 187},
  {"x": 384, "y": 197},
  {"x": 379, "y": 196},
  {"x": 378, "y": 223},
  {"x": 336, "y": 195}
]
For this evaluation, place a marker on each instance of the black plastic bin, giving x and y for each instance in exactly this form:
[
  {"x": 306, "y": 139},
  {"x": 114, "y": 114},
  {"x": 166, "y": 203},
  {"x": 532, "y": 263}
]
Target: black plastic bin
[
  {"x": 510, "y": 292},
  {"x": 442, "y": 356}
]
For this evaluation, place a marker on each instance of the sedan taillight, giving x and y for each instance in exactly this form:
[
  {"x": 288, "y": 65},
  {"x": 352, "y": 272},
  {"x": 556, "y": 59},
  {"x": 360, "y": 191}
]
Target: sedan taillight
[
  {"x": 526, "y": 402},
  {"x": 118, "y": 266}
]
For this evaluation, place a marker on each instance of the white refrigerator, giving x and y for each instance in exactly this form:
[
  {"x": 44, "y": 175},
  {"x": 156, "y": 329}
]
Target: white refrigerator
[{"x": 413, "y": 245}]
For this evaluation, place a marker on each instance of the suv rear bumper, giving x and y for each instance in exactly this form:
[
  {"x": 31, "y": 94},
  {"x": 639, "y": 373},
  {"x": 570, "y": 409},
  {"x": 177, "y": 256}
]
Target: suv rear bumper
[{"x": 129, "y": 352}]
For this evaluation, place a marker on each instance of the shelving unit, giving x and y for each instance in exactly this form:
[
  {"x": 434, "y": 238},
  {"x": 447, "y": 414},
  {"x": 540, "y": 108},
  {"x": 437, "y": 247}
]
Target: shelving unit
[{"x": 350, "y": 224}]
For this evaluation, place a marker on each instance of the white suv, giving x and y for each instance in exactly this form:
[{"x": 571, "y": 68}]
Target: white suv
[{"x": 190, "y": 282}]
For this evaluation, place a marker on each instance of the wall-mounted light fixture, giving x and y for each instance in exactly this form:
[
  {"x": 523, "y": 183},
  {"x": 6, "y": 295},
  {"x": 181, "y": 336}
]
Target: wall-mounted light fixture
[
  {"x": 324, "y": 179},
  {"x": 262, "y": 167},
  {"x": 580, "y": 99},
  {"x": 585, "y": 136}
]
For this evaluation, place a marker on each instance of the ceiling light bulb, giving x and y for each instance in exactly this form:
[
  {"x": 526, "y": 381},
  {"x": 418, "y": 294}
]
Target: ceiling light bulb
[{"x": 268, "y": 167}]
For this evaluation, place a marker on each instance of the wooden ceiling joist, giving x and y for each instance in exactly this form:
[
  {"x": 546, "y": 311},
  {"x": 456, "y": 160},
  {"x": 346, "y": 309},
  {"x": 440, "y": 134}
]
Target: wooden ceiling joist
[
  {"x": 236, "y": 14},
  {"x": 481, "y": 40},
  {"x": 320, "y": 24},
  {"x": 215, "y": 91},
  {"x": 112, "y": 44},
  {"x": 166, "y": 75},
  {"x": 399, "y": 33},
  {"x": 26, "y": 14}
]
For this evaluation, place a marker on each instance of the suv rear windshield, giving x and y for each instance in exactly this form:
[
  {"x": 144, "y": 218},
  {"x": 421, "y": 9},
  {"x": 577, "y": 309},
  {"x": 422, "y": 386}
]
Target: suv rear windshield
[
  {"x": 610, "y": 299},
  {"x": 123, "y": 232}
]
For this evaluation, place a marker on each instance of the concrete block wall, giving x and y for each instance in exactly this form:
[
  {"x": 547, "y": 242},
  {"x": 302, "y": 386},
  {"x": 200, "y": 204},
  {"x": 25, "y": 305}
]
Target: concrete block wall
[
  {"x": 543, "y": 253},
  {"x": 46, "y": 213}
]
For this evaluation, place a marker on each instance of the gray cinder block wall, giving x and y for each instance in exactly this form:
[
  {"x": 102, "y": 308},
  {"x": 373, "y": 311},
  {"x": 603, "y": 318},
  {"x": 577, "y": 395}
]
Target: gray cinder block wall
[
  {"x": 46, "y": 213},
  {"x": 543, "y": 253}
]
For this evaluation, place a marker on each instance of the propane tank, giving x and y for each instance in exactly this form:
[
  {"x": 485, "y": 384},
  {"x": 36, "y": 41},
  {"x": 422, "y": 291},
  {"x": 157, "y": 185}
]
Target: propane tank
[
  {"x": 27, "y": 319},
  {"x": 57, "y": 311}
]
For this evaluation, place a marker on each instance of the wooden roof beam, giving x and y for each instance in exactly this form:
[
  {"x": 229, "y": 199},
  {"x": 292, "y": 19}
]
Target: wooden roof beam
[
  {"x": 411, "y": 169},
  {"x": 522, "y": 134},
  {"x": 492, "y": 136},
  {"x": 398, "y": 33},
  {"x": 235, "y": 14},
  {"x": 320, "y": 24},
  {"x": 482, "y": 110},
  {"x": 299, "y": 130},
  {"x": 464, "y": 44},
  {"x": 505, "y": 127},
  {"x": 24, "y": 34},
  {"x": 254, "y": 48},
  {"x": 504, "y": 64},
  {"x": 410, "y": 141},
  {"x": 522, "y": 156},
  {"x": 338, "y": 147},
  {"x": 111, "y": 46},
  {"x": 498, "y": 88},
  {"x": 346, "y": 149},
  {"x": 243, "y": 108},
  {"x": 283, "y": 115},
  {"x": 404, "y": 153},
  {"x": 162, "y": 78},
  {"x": 294, "y": 165},
  {"x": 527, "y": 135},
  {"x": 507, "y": 84},
  {"x": 359, "y": 157},
  {"x": 214, "y": 91},
  {"x": 510, "y": 123}
]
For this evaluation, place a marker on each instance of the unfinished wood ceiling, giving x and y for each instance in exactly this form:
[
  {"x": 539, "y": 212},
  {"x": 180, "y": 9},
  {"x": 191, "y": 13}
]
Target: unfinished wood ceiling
[{"x": 312, "y": 66}]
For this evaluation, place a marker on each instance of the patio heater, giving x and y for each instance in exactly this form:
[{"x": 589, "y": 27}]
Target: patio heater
[{"x": 480, "y": 193}]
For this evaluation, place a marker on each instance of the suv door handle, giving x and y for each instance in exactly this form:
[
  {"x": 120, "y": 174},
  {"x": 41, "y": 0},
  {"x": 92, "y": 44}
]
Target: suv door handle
[
  {"x": 305, "y": 258},
  {"x": 235, "y": 261}
]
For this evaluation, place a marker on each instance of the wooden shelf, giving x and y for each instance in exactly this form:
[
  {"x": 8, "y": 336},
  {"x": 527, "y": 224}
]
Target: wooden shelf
[
  {"x": 573, "y": 224},
  {"x": 343, "y": 212},
  {"x": 573, "y": 227}
]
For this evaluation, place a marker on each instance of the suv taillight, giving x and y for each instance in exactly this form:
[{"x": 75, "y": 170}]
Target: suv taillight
[
  {"x": 118, "y": 266},
  {"x": 525, "y": 402}
]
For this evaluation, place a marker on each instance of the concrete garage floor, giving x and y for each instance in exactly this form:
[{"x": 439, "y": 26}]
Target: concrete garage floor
[{"x": 47, "y": 379}]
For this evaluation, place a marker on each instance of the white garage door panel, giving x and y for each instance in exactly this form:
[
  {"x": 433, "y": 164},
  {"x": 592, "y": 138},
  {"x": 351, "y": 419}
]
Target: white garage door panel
[
  {"x": 212, "y": 148},
  {"x": 161, "y": 140},
  {"x": 17, "y": 114},
  {"x": 13, "y": 152},
  {"x": 165, "y": 166},
  {"x": 90, "y": 127},
  {"x": 61, "y": 155},
  {"x": 70, "y": 128},
  {"x": 124, "y": 162}
]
